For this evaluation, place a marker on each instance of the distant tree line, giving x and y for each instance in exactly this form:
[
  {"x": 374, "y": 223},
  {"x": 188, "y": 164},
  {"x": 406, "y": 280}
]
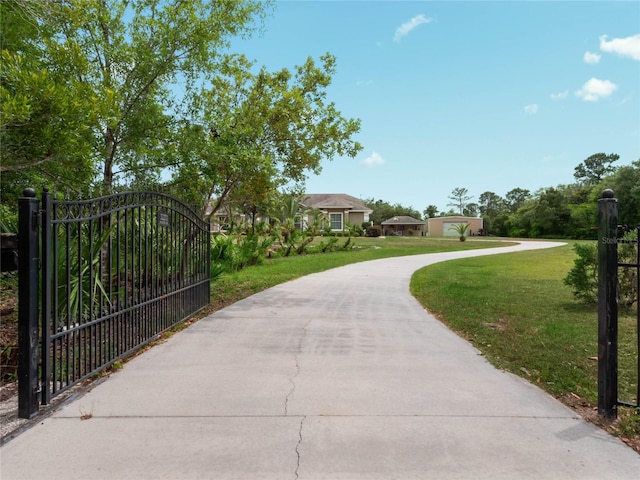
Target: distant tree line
[{"x": 564, "y": 211}]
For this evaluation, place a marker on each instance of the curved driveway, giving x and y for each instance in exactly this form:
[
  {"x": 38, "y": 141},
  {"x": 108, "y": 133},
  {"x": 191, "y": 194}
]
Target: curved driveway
[{"x": 337, "y": 375}]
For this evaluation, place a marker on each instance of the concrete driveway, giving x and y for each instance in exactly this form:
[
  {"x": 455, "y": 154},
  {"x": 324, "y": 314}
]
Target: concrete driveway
[{"x": 337, "y": 375}]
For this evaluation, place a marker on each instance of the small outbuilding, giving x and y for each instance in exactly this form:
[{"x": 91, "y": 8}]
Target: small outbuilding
[
  {"x": 446, "y": 226},
  {"x": 404, "y": 226}
]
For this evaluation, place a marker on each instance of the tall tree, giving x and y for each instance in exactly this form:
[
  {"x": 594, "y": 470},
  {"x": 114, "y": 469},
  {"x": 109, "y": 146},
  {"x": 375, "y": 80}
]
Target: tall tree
[
  {"x": 278, "y": 122},
  {"x": 45, "y": 126},
  {"x": 516, "y": 197},
  {"x": 459, "y": 198},
  {"x": 471, "y": 210},
  {"x": 592, "y": 170},
  {"x": 430, "y": 212},
  {"x": 129, "y": 55},
  {"x": 547, "y": 214},
  {"x": 490, "y": 204},
  {"x": 625, "y": 183},
  {"x": 492, "y": 208}
]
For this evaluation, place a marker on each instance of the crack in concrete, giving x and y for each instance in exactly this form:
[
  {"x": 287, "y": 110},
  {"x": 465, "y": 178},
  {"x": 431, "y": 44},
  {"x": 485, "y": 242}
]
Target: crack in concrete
[
  {"x": 293, "y": 388},
  {"x": 293, "y": 378},
  {"x": 298, "y": 447}
]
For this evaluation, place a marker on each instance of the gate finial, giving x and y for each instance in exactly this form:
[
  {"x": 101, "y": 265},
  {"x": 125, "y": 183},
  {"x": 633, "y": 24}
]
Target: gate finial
[{"x": 608, "y": 193}]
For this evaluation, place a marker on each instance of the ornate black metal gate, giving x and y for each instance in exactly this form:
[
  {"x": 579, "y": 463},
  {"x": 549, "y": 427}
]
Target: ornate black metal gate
[
  {"x": 114, "y": 273},
  {"x": 608, "y": 297}
]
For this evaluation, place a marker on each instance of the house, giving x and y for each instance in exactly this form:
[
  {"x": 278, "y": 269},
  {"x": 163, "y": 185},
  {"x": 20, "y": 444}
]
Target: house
[
  {"x": 339, "y": 209},
  {"x": 445, "y": 226},
  {"x": 403, "y": 225}
]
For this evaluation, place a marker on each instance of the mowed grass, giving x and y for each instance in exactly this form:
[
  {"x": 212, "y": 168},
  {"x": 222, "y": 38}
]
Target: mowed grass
[{"x": 516, "y": 309}]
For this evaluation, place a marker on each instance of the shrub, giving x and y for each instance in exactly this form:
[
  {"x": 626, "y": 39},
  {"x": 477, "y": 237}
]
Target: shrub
[
  {"x": 583, "y": 277},
  {"x": 374, "y": 231},
  {"x": 330, "y": 246},
  {"x": 231, "y": 253},
  {"x": 8, "y": 219},
  {"x": 354, "y": 230},
  {"x": 628, "y": 277}
]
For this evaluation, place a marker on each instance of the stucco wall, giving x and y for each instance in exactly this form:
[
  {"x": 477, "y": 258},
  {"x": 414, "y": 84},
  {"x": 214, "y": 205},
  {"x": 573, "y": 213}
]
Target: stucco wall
[
  {"x": 354, "y": 218},
  {"x": 436, "y": 225}
]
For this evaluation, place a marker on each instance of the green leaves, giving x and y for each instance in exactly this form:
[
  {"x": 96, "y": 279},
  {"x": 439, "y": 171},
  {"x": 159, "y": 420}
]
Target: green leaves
[
  {"x": 45, "y": 126},
  {"x": 91, "y": 79},
  {"x": 254, "y": 131},
  {"x": 595, "y": 168},
  {"x": 134, "y": 88},
  {"x": 461, "y": 229}
]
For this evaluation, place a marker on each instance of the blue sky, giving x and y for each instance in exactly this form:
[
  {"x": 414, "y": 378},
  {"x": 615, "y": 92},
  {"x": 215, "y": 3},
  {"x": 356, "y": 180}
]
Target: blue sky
[{"x": 487, "y": 96}]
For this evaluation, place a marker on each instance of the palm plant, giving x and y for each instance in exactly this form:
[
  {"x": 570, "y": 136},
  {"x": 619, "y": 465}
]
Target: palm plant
[
  {"x": 80, "y": 288},
  {"x": 461, "y": 230}
]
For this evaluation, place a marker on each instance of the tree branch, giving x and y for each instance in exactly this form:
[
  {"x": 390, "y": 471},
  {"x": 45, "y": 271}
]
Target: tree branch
[{"x": 16, "y": 168}]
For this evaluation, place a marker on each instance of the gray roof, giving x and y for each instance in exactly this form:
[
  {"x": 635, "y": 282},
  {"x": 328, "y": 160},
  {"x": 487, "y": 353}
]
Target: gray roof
[
  {"x": 323, "y": 201},
  {"x": 403, "y": 220}
]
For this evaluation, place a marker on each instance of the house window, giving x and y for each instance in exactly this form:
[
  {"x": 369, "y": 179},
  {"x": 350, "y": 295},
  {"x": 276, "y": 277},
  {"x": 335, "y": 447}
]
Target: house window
[
  {"x": 335, "y": 220},
  {"x": 301, "y": 222}
]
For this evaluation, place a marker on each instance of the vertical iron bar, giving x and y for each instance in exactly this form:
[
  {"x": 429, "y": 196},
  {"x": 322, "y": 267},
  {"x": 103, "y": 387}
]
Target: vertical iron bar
[
  {"x": 139, "y": 281},
  {"x": 81, "y": 356},
  {"x": 118, "y": 333},
  {"x": 68, "y": 366},
  {"x": 90, "y": 330},
  {"x": 28, "y": 304},
  {"x": 108, "y": 278},
  {"x": 100, "y": 275},
  {"x": 46, "y": 263},
  {"x": 607, "y": 305},
  {"x": 134, "y": 322},
  {"x": 55, "y": 347},
  {"x": 207, "y": 272},
  {"x": 126, "y": 279}
]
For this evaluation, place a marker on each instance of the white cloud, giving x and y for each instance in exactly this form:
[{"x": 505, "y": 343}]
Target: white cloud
[
  {"x": 404, "y": 29},
  {"x": 627, "y": 47},
  {"x": 531, "y": 109},
  {"x": 373, "y": 159},
  {"x": 560, "y": 95},
  {"x": 595, "y": 89},
  {"x": 591, "y": 58}
]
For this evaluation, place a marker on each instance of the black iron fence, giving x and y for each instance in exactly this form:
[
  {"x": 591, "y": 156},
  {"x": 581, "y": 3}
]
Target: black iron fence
[
  {"x": 609, "y": 268},
  {"x": 100, "y": 278}
]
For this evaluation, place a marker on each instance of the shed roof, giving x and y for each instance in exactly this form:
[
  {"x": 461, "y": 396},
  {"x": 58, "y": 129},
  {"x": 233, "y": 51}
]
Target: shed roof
[{"x": 403, "y": 220}]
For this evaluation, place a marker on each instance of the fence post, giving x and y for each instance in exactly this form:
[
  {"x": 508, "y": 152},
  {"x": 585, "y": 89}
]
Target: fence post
[
  {"x": 608, "y": 305},
  {"x": 28, "y": 293}
]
